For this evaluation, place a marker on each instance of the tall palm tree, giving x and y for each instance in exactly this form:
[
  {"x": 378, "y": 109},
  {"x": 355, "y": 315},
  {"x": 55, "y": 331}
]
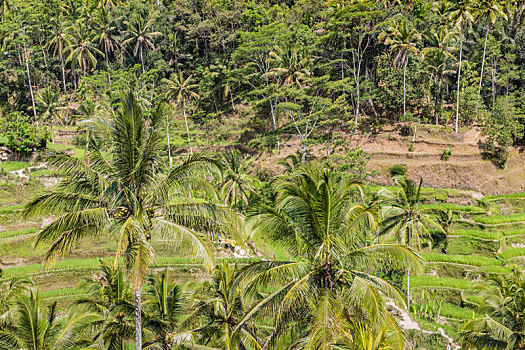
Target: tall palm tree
[
  {"x": 329, "y": 279},
  {"x": 460, "y": 13},
  {"x": 488, "y": 11},
  {"x": 139, "y": 34},
  {"x": 180, "y": 90},
  {"x": 237, "y": 183},
  {"x": 32, "y": 326},
  {"x": 437, "y": 55},
  {"x": 49, "y": 103},
  {"x": 290, "y": 64},
  {"x": 502, "y": 307},
  {"x": 82, "y": 49},
  {"x": 129, "y": 192},
  {"x": 403, "y": 38},
  {"x": 403, "y": 218},
  {"x": 105, "y": 29},
  {"x": 218, "y": 307},
  {"x": 59, "y": 41}
]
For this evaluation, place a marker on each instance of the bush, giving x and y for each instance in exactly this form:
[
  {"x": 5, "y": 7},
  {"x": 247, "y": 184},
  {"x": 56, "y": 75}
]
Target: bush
[
  {"x": 446, "y": 154},
  {"x": 405, "y": 130},
  {"x": 397, "y": 170},
  {"x": 22, "y": 136},
  {"x": 411, "y": 147}
]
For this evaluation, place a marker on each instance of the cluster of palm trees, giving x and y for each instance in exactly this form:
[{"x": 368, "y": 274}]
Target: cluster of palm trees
[
  {"x": 324, "y": 292},
  {"x": 439, "y": 43}
]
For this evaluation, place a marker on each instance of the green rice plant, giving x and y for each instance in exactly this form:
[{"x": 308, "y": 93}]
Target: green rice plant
[
  {"x": 512, "y": 253},
  {"x": 500, "y": 219},
  {"x": 453, "y": 311},
  {"x": 497, "y": 270},
  {"x": 475, "y": 260},
  {"x": 436, "y": 282},
  {"x": 504, "y": 196},
  {"x": 11, "y": 208},
  {"x": 454, "y": 207},
  {"x": 477, "y": 234},
  {"x": 13, "y": 166},
  {"x": 15, "y": 233}
]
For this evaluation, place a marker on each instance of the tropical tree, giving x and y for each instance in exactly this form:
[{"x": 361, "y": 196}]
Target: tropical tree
[
  {"x": 59, "y": 41},
  {"x": 105, "y": 32},
  {"x": 49, "y": 103},
  {"x": 110, "y": 296},
  {"x": 163, "y": 310},
  {"x": 437, "y": 55},
  {"x": 32, "y": 326},
  {"x": 291, "y": 64},
  {"x": 488, "y": 11},
  {"x": 502, "y": 306},
  {"x": 327, "y": 288},
  {"x": 460, "y": 13},
  {"x": 401, "y": 37},
  {"x": 128, "y": 192},
  {"x": 139, "y": 34},
  {"x": 218, "y": 307},
  {"x": 180, "y": 90},
  {"x": 237, "y": 183},
  {"x": 82, "y": 49},
  {"x": 403, "y": 218}
]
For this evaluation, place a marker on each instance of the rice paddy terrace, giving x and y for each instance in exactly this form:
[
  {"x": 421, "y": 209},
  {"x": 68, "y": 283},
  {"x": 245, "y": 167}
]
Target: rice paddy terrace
[{"x": 485, "y": 237}]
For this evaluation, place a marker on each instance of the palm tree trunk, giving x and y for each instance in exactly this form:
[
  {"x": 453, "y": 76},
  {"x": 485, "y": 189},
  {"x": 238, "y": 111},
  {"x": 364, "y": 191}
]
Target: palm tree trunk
[
  {"x": 483, "y": 60},
  {"x": 274, "y": 121},
  {"x": 186, "y": 121},
  {"x": 63, "y": 72},
  {"x": 138, "y": 319},
  {"x": 303, "y": 156},
  {"x": 29, "y": 79},
  {"x": 405, "y": 92},
  {"x": 436, "y": 102},
  {"x": 142, "y": 60},
  {"x": 459, "y": 78},
  {"x": 168, "y": 135},
  {"x": 87, "y": 146},
  {"x": 408, "y": 275}
]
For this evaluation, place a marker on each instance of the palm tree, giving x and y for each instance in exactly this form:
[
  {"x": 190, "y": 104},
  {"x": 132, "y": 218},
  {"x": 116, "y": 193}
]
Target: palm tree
[
  {"x": 437, "y": 55},
  {"x": 291, "y": 64},
  {"x": 163, "y": 311},
  {"x": 488, "y": 11},
  {"x": 404, "y": 218},
  {"x": 49, "y": 102},
  {"x": 128, "y": 191},
  {"x": 328, "y": 280},
  {"x": 59, "y": 42},
  {"x": 180, "y": 90},
  {"x": 110, "y": 296},
  {"x": 32, "y": 326},
  {"x": 502, "y": 307},
  {"x": 140, "y": 34},
  {"x": 218, "y": 307},
  {"x": 461, "y": 15},
  {"x": 401, "y": 37},
  {"x": 105, "y": 28},
  {"x": 236, "y": 180},
  {"x": 82, "y": 50}
]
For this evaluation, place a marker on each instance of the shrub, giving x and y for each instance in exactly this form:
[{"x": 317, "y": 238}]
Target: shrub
[
  {"x": 411, "y": 147},
  {"x": 446, "y": 155},
  {"x": 398, "y": 169},
  {"x": 22, "y": 136},
  {"x": 405, "y": 130}
]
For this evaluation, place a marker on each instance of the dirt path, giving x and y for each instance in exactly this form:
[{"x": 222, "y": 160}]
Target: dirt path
[
  {"x": 21, "y": 172},
  {"x": 407, "y": 323}
]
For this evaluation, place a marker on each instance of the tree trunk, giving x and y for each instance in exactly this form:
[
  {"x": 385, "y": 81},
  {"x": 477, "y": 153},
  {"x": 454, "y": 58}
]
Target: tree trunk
[
  {"x": 408, "y": 275},
  {"x": 436, "y": 102},
  {"x": 303, "y": 156},
  {"x": 274, "y": 121},
  {"x": 405, "y": 92},
  {"x": 142, "y": 60},
  {"x": 63, "y": 72},
  {"x": 138, "y": 319},
  {"x": 459, "y": 77},
  {"x": 484, "y": 53},
  {"x": 186, "y": 121},
  {"x": 168, "y": 135},
  {"x": 29, "y": 79},
  {"x": 87, "y": 146}
]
